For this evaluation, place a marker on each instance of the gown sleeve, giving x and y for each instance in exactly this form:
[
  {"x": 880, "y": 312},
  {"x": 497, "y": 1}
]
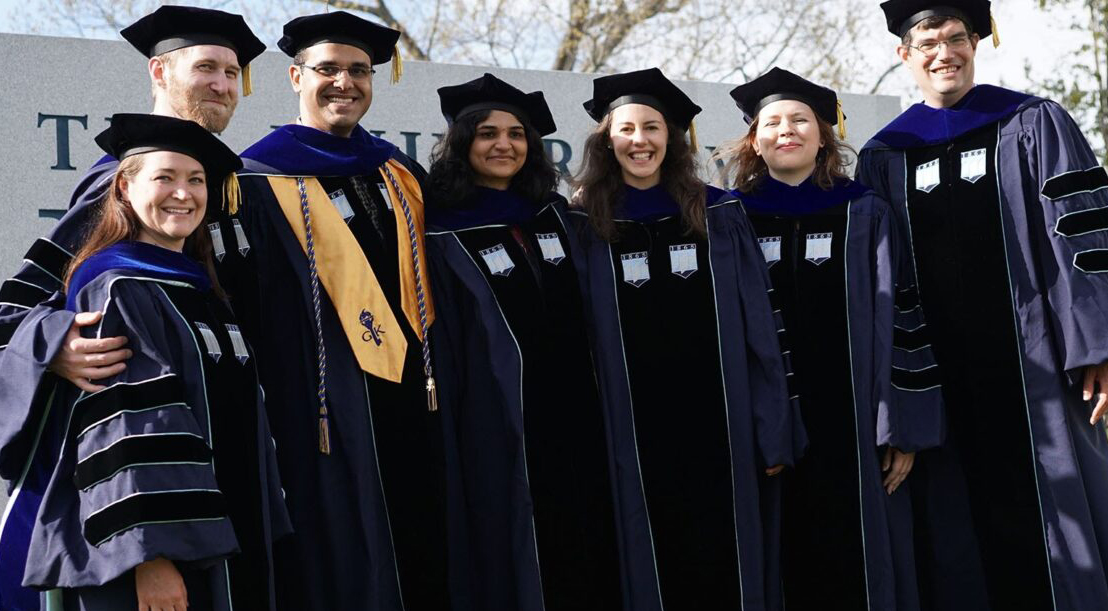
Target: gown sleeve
[
  {"x": 1071, "y": 189},
  {"x": 910, "y": 413},
  {"x": 136, "y": 479},
  {"x": 778, "y": 426}
]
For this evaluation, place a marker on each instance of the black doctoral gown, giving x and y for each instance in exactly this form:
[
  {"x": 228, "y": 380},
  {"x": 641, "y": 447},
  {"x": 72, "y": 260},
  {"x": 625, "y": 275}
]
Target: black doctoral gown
[
  {"x": 694, "y": 389},
  {"x": 369, "y": 516},
  {"x": 866, "y": 380},
  {"x": 520, "y": 397},
  {"x": 1002, "y": 203}
]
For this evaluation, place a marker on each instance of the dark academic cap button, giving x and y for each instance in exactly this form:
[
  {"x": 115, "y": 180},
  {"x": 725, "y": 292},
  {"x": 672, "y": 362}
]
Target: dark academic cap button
[
  {"x": 175, "y": 27},
  {"x": 903, "y": 15},
  {"x": 491, "y": 93},
  {"x": 342, "y": 28},
  {"x": 649, "y": 87},
  {"x": 778, "y": 84},
  {"x": 134, "y": 134}
]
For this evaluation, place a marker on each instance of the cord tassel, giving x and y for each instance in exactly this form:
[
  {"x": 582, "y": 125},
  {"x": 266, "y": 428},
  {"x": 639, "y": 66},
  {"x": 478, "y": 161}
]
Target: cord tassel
[
  {"x": 692, "y": 138},
  {"x": 397, "y": 65},
  {"x": 432, "y": 396},
  {"x": 996, "y": 34},
  {"x": 324, "y": 432}
]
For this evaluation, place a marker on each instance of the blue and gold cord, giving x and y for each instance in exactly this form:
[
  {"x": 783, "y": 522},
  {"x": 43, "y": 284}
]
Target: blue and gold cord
[
  {"x": 421, "y": 295},
  {"x": 324, "y": 424}
]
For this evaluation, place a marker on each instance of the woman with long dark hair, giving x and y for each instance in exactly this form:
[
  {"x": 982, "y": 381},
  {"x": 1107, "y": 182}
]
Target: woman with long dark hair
[
  {"x": 163, "y": 492},
  {"x": 530, "y": 479},
  {"x": 693, "y": 380},
  {"x": 868, "y": 389}
]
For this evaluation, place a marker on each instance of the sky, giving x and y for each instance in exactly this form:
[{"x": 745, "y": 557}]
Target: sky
[{"x": 1027, "y": 34}]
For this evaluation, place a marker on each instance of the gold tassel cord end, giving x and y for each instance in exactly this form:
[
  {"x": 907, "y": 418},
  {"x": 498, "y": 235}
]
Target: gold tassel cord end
[
  {"x": 232, "y": 194},
  {"x": 247, "y": 84},
  {"x": 324, "y": 433},
  {"x": 841, "y": 118},
  {"x": 397, "y": 65},
  {"x": 432, "y": 395},
  {"x": 996, "y": 34},
  {"x": 692, "y": 138}
]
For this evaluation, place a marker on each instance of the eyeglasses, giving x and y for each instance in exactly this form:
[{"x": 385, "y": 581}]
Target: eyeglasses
[
  {"x": 931, "y": 47},
  {"x": 331, "y": 71}
]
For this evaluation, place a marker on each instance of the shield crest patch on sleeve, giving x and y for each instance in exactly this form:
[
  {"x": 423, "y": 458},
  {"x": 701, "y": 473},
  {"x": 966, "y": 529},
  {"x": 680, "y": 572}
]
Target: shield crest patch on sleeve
[
  {"x": 817, "y": 247},
  {"x": 551, "y": 247},
  {"x": 498, "y": 260},
  {"x": 771, "y": 249},
  {"x": 636, "y": 268},
  {"x": 682, "y": 259}
]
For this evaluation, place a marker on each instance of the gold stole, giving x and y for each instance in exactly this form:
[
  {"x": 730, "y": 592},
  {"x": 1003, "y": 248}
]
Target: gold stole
[{"x": 371, "y": 328}]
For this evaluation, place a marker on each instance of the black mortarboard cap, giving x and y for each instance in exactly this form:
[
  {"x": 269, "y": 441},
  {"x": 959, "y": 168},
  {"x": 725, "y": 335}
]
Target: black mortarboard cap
[
  {"x": 134, "y": 134},
  {"x": 778, "y": 84},
  {"x": 339, "y": 27},
  {"x": 175, "y": 27},
  {"x": 491, "y": 93},
  {"x": 649, "y": 87},
  {"x": 903, "y": 15}
]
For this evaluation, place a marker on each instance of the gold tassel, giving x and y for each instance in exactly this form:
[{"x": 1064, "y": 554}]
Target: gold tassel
[
  {"x": 324, "y": 432},
  {"x": 247, "y": 84},
  {"x": 841, "y": 118},
  {"x": 692, "y": 138},
  {"x": 397, "y": 65},
  {"x": 432, "y": 395},
  {"x": 996, "y": 34},
  {"x": 231, "y": 193}
]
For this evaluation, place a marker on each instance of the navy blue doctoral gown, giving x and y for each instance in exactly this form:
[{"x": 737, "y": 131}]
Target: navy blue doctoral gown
[
  {"x": 516, "y": 386},
  {"x": 695, "y": 397},
  {"x": 866, "y": 379},
  {"x": 368, "y": 517},
  {"x": 1002, "y": 203},
  {"x": 172, "y": 459}
]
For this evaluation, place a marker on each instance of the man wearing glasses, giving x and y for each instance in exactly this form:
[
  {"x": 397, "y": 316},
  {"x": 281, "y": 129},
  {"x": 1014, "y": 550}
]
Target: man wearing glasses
[
  {"x": 334, "y": 298},
  {"x": 1006, "y": 211}
]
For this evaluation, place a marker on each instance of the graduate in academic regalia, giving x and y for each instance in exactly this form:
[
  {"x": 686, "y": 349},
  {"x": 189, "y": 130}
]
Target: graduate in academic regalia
[
  {"x": 858, "y": 346},
  {"x": 163, "y": 491},
  {"x": 177, "y": 40},
  {"x": 514, "y": 371},
  {"x": 1002, "y": 203},
  {"x": 329, "y": 268},
  {"x": 692, "y": 377}
]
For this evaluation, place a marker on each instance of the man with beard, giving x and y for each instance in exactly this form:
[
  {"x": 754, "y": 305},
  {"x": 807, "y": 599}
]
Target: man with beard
[
  {"x": 334, "y": 298},
  {"x": 196, "y": 57},
  {"x": 1003, "y": 205}
]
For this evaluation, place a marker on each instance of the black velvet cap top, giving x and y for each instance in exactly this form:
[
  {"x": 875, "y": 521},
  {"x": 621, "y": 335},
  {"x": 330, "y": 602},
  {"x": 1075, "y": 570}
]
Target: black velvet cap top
[
  {"x": 175, "y": 27},
  {"x": 779, "y": 84},
  {"x": 342, "y": 28},
  {"x": 649, "y": 87},
  {"x": 903, "y": 15},
  {"x": 491, "y": 93},
  {"x": 134, "y": 134}
]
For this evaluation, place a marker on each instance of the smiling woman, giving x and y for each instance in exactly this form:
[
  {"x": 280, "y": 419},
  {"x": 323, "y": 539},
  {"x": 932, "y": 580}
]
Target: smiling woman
[{"x": 686, "y": 348}]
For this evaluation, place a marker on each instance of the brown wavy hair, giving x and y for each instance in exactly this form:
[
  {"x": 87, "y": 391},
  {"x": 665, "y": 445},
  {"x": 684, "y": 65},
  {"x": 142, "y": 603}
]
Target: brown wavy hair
[
  {"x": 599, "y": 188},
  {"x": 744, "y": 169},
  {"x": 116, "y": 221}
]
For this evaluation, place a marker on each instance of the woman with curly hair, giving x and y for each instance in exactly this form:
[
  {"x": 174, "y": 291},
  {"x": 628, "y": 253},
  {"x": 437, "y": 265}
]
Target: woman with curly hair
[
  {"x": 686, "y": 349},
  {"x": 864, "y": 372},
  {"x": 520, "y": 403}
]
